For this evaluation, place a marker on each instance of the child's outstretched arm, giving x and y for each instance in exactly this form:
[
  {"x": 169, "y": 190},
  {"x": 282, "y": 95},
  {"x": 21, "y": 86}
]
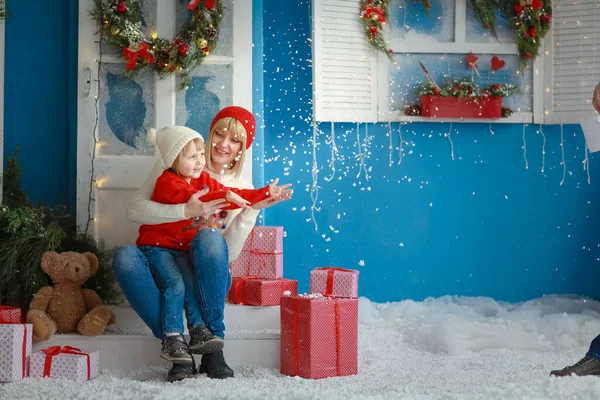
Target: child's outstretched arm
[{"x": 240, "y": 198}]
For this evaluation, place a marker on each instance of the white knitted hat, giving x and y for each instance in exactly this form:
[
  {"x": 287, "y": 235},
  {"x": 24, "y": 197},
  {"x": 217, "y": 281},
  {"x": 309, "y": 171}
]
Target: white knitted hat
[{"x": 171, "y": 140}]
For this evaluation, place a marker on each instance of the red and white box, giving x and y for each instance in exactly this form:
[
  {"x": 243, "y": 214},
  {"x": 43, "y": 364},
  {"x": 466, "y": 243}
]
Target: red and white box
[
  {"x": 65, "y": 362},
  {"x": 337, "y": 282},
  {"x": 10, "y": 315},
  {"x": 319, "y": 336},
  {"x": 260, "y": 292},
  {"x": 15, "y": 351},
  {"x": 262, "y": 254}
]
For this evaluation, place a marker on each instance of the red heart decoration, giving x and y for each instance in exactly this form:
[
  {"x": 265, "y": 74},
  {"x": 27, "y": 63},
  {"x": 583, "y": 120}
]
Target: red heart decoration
[{"x": 497, "y": 63}]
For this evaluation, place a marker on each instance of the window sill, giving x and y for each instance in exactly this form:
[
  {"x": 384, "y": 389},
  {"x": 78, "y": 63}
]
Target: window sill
[{"x": 516, "y": 118}]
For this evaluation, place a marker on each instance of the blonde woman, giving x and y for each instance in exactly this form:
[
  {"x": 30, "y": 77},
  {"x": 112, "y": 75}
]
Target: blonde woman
[{"x": 231, "y": 134}]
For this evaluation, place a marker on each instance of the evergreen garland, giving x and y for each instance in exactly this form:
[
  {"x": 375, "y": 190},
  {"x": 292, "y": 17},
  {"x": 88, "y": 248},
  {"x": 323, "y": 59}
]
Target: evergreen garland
[
  {"x": 2, "y": 9},
  {"x": 373, "y": 14},
  {"x": 531, "y": 20},
  {"x": 121, "y": 22},
  {"x": 485, "y": 11},
  {"x": 27, "y": 232}
]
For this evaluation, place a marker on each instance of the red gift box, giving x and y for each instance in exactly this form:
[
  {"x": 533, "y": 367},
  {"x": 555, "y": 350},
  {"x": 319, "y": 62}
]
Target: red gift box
[
  {"x": 253, "y": 291},
  {"x": 338, "y": 282},
  {"x": 319, "y": 336},
  {"x": 262, "y": 254},
  {"x": 10, "y": 315},
  {"x": 65, "y": 362},
  {"x": 457, "y": 107},
  {"x": 15, "y": 351}
]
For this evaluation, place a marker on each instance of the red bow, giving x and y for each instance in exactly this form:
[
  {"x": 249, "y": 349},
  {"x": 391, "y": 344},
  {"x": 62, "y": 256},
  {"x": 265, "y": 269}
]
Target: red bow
[
  {"x": 210, "y": 4},
  {"x": 133, "y": 55},
  {"x": 234, "y": 295},
  {"x": 56, "y": 350}
]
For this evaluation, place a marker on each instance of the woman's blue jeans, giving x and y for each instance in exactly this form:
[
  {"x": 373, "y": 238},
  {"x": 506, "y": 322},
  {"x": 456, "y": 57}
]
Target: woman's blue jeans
[{"x": 209, "y": 256}]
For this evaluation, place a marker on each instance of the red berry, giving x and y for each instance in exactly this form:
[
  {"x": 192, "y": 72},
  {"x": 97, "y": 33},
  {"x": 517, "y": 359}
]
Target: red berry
[{"x": 121, "y": 8}]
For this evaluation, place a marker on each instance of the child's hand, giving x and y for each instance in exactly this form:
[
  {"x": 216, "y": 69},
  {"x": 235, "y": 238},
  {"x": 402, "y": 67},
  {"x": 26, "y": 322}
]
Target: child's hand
[
  {"x": 237, "y": 199},
  {"x": 280, "y": 192}
]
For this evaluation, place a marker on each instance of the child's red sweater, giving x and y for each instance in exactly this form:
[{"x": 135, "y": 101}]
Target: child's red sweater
[{"x": 170, "y": 188}]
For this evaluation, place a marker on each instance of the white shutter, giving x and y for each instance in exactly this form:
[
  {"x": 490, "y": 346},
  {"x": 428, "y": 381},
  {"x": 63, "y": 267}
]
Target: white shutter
[
  {"x": 344, "y": 64},
  {"x": 574, "y": 52}
]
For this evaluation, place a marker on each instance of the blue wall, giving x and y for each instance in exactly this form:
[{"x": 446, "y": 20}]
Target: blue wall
[
  {"x": 479, "y": 225},
  {"x": 40, "y": 107},
  {"x": 541, "y": 239}
]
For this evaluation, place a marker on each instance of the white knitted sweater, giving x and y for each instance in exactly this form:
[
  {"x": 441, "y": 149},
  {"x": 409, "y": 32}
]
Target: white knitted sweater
[{"x": 239, "y": 222}]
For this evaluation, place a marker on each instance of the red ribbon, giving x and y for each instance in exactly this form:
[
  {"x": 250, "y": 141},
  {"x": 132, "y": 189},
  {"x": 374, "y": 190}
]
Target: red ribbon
[
  {"x": 56, "y": 350},
  {"x": 235, "y": 293},
  {"x": 330, "y": 272},
  {"x": 210, "y": 4},
  {"x": 338, "y": 345},
  {"x": 133, "y": 55},
  {"x": 260, "y": 254}
]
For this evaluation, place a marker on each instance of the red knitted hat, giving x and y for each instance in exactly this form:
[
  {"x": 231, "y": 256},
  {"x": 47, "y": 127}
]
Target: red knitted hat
[{"x": 241, "y": 114}]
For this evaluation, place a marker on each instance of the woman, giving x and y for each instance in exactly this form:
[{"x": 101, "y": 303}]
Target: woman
[{"x": 231, "y": 134}]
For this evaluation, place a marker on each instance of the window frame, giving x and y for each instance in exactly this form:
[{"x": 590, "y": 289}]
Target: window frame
[{"x": 459, "y": 46}]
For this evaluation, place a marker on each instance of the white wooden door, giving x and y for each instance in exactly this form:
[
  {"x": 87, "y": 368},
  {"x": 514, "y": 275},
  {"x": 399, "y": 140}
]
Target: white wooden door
[{"x": 114, "y": 113}]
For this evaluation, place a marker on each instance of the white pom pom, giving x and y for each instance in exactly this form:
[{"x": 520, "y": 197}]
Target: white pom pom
[{"x": 151, "y": 137}]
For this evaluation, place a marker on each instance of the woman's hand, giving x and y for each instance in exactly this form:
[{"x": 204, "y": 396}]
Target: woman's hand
[{"x": 197, "y": 208}]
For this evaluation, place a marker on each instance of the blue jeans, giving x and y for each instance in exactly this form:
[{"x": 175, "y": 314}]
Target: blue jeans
[
  {"x": 595, "y": 348},
  {"x": 174, "y": 276},
  {"x": 209, "y": 256}
]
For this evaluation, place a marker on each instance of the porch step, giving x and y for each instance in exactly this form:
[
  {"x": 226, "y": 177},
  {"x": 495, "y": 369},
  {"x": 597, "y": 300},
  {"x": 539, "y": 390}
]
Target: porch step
[{"x": 251, "y": 338}]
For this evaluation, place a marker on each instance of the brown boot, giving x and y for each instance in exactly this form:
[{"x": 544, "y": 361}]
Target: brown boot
[{"x": 588, "y": 365}]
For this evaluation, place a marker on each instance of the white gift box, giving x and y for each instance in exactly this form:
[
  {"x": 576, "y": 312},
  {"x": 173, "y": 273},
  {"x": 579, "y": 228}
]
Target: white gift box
[
  {"x": 15, "y": 351},
  {"x": 77, "y": 367}
]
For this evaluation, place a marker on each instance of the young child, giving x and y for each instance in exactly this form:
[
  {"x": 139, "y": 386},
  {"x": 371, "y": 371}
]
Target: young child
[{"x": 166, "y": 246}]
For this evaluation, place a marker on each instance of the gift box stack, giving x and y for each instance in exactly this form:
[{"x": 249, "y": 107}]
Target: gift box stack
[
  {"x": 257, "y": 272},
  {"x": 17, "y": 362},
  {"x": 319, "y": 331},
  {"x": 15, "y": 345}
]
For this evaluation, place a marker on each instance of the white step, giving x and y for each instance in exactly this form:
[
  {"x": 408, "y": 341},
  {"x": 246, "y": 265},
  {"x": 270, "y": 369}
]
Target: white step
[{"x": 251, "y": 338}]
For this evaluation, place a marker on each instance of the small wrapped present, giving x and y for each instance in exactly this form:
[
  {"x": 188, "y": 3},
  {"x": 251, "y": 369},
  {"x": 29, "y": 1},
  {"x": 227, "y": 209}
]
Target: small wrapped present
[
  {"x": 15, "y": 351},
  {"x": 10, "y": 315},
  {"x": 262, "y": 254},
  {"x": 319, "y": 336},
  {"x": 337, "y": 282},
  {"x": 252, "y": 291},
  {"x": 65, "y": 362}
]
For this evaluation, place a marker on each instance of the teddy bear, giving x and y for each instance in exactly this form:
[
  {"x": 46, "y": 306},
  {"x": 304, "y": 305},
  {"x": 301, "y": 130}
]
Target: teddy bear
[{"x": 66, "y": 307}]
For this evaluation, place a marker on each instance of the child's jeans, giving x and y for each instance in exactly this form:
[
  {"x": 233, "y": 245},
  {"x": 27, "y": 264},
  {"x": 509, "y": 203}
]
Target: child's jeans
[{"x": 173, "y": 274}]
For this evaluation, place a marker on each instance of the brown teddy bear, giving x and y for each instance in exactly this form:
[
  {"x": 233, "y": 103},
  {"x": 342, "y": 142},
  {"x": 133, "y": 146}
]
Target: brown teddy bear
[{"x": 66, "y": 307}]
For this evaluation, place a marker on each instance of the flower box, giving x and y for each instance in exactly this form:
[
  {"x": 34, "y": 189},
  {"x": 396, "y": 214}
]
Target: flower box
[{"x": 461, "y": 107}]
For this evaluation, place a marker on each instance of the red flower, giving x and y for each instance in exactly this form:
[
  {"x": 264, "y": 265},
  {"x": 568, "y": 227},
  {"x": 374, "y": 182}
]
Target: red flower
[
  {"x": 182, "y": 50},
  {"x": 177, "y": 40},
  {"x": 519, "y": 10},
  {"x": 390, "y": 51},
  {"x": 436, "y": 91},
  {"x": 546, "y": 18},
  {"x": 121, "y": 8},
  {"x": 453, "y": 90},
  {"x": 373, "y": 30},
  {"x": 528, "y": 54},
  {"x": 495, "y": 86},
  {"x": 532, "y": 32},
  {"x": 487, "y": 92},
  {"x": 461, "y": 87},
  {"x": 172, "y": 68},
  {"x": 537, "y": 4}
]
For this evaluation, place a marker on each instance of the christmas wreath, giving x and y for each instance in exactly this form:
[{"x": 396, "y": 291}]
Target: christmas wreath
[
  {"x": 529, "y": 18},
  {"x": 121, "y": 22},
  {"x": 373, "y": 14}
]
